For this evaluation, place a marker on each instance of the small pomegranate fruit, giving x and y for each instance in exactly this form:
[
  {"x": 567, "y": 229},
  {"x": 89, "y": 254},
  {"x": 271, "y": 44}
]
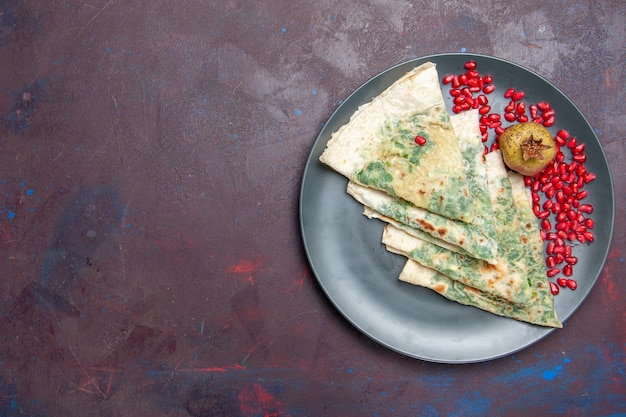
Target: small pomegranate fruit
[{"x": 527, "y": 147}]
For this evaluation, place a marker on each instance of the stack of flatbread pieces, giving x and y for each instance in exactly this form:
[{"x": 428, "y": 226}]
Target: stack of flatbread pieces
[{"x": 463, "y": 222}]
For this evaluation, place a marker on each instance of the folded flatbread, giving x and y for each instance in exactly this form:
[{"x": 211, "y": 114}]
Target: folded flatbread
[
  {"x": 539, "y": 311},
  {"x": 478, "y": 238},
  {"x": 377, "y": 148},
  {"x": 507, "y": 279}
]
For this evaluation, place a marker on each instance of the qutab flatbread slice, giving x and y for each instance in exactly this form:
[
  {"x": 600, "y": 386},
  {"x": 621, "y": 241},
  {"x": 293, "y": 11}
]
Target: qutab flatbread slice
[
  {"x": 507, "y": 279},
  {"x": 376, "y": 148},
  {"x": 373, "y": 214},
  {"x": 478, "y": 238},
  {"x": 540, "y": 310},
  {"x": 468, "y": 237}
]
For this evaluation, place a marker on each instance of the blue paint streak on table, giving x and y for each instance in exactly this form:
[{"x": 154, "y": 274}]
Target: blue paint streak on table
[{"x": 151, "y": 154}]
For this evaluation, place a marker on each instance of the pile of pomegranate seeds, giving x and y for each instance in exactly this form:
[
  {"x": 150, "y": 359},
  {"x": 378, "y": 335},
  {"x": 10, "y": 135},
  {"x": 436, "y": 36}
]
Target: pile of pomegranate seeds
[{"x": 557, "y": 192}]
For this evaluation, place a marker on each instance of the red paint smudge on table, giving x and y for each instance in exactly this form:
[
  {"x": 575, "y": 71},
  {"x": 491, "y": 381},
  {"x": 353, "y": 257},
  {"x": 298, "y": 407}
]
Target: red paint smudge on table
[
  {"x": 244, "y": 266},
  {"x": 211, "y": 369},
  {"x": 255, "y": 400},
  {"x": 299, "y": 282}
]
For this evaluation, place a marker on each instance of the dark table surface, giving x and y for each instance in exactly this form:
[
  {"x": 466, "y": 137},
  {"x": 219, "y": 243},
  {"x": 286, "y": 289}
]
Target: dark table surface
[{"x": 151, "y": 156}]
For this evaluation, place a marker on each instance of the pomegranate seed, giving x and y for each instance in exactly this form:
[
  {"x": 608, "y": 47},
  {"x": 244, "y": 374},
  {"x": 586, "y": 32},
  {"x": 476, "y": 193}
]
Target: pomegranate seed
[
  {"x": 484, "y": 110},
  {"x": 566, "y": 188},
  {"x": 568, "y": 251},
  {"x": 551, "y": 262},
  {"x": 550, "y": 247},
  {"x": 421, "y": 141},
  {"x": 535, "y": 186},
  {"x": 571, "y": 214},
  {"x": 509, "y": 93},
  {"x": 545, "y": 224},
  {"x": 554, "y": 289},
  {"x": 572, "y": 142},
  {"x": 553, "y": 272},
  {"x": 561, "y": 225},
  {"x": 470, "y": 65},
  {"x": 562, "y": 281},
  {"x": 589, "y": 223},
  {"x": 462, "y": 79},
  {"x": 448, "y": 78},
  {"x": 572, "y": 260},
  {"x": 509, "y": 117},
  {"x": 571, "y": 284},
  {"x": 499, "y": 130},
  {"x": 488, "y": 89},
  {"x": 534, "y": 111},
  {"x": 582, "y": 194},
  {"x": 588, "y": 177},
  {"x": 510, "y": 108},
  {"x": 494, "y": 146},
  {"x": 455, "y": 92},
  {"x": 562, "y": 134},
  {"x": 482, "y": 99},
  {"x": 494, "y": 117},
  {"x": 567, "y": 270},
  {"x": 586, "y": 208},
  {"x": 471, "y": 74},
  {"x": 474, "y": 80},
  {"x": 578, "y": 149},
  {"x": 543, "y": 106},
  {"x": 522, "y": 118},
  {"x": 518, "y": 95},
  {"x": 520, "y": 108},
  {"x": 543, "y": 214},
  {"x": 488, "y": 79},
  {"x": 580, "y": 157},
  {"x": 548, "y": 114},
  {"x": 549, "y": 121},
  {"x": 455, "y": 82},
  {"x": 548, "y": 205},
  {"x": 589, "y": 236},
  {"x": 527, "y": 180}
]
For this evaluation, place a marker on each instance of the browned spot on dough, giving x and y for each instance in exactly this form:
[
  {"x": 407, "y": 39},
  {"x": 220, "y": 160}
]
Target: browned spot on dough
[
  {"x": 440, "y": 288},
  {"x": 461, "y": 242},
  {"x": 427, "y": 226},
  {"x": 524, "y": 239},
  {"x": 442, "y": 232}
]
